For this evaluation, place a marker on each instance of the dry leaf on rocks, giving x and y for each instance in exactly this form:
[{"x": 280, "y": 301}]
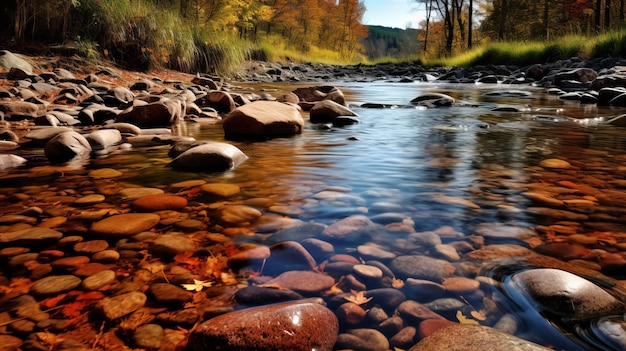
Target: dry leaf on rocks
[
  {"x": 480, "y": 315},
  {"x": 464, "y": 320},
  {"x": 358, "y": 297},
  {"x": 197, "y": 285}
]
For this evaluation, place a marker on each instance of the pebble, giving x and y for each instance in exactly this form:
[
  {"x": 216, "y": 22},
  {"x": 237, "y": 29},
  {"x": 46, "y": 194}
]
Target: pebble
[
  {"x": 136, "y": 193},
  {"x": 153, "y": 203},
  {"x": 91, "y": 246},
  {"x": 421, "y": 267},
  {"x": 238, "y": 214},
  {"x": 171, "y": 245},
  {"x": 149, "y": 336},
  {"x": 125, "y": 224},
  {"x": 169, "y": 294},
  {"x": 555, "y": 163},
  {"x": 303, "y": 282},
  {"x": 375, "y": 253},
  {"x": 54, "y": 285},
  {"x": 460, "y": 285},
  {"x": 367, "y": 272},
  {"x": 121, "y": 305},
  {"x": 98, "y": 280},
  {"x": 31, "y": 236},
  {"x": 221, "y": 189},
  {"x": 362, "y": 339},
  {"x": 106, "y": 256},
  {"x": 90, "y": 200},
  {"x": 105, "y": 173}
]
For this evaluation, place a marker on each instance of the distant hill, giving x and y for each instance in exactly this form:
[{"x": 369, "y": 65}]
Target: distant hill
[{"x": 390, "y": 42}]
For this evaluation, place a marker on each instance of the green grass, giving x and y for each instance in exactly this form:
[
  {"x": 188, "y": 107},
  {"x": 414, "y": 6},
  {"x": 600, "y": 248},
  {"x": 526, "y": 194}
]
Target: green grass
[{"x": 275, "y": 49}]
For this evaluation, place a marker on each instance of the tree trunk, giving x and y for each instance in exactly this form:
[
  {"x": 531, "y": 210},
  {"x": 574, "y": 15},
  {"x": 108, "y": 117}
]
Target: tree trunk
[
  {"x": 607, "y": 14},
  {"x": 546, "y": 19},
  {"x": 449, "y": 25},
  {"x": 457, "y": 7},
  {"x": 470, "y": 26},
  {"x": 598, "y": 14}
]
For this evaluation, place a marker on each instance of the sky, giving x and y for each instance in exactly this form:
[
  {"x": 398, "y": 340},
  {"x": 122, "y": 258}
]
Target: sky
[{"x": 392, "y": 13}]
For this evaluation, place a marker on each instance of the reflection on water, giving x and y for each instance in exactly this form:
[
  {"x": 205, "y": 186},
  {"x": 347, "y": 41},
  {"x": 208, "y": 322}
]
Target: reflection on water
[{"x": 457, "y": 167}]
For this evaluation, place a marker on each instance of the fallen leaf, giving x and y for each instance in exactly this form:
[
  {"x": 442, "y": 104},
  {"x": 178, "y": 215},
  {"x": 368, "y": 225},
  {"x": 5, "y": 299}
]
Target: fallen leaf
[
  {"x": 464, "y": 320},
  {"x": 480, "y": 315},
  {"x": 52, "y": 302},
  {"x": 334, "y": 290},
  {"x": 358, "y": 297},
  {"x": 197, "y": 285},
  {"x": 228, "y": 279},
  {"x": 397, "y": 283}
]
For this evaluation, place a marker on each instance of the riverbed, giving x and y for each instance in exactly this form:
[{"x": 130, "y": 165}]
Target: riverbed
[{"x": 519, "y": 167}]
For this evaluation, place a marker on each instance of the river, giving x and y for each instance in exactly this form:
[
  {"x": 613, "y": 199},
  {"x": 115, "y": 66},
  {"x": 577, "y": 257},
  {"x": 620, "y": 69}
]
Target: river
[{"x": 465, "y": 167}]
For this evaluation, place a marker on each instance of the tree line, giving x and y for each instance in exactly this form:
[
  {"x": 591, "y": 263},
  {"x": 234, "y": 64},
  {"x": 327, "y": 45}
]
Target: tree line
[
  {"x": 452, "y": 26},
  {"x": 299, "y": 24}
]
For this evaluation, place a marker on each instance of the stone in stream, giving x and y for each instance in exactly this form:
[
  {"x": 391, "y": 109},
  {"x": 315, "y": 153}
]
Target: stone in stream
[
  {"x": 8, "y": 161},
  {"x": 256, "y": 295},
  {"x": 288, "y": 326},
  {"x": 263, "y": 119},
  {"x": 474, "y": 338},
  {"x": 121, "y": 305},
  {"x": 153, "y": 203},
  {"x": 288, "y": 256},
  {"x": 327, "y": 111},
  {"x": 565, "y": 294},
  {"x": 303, "y": 282},
  {"x": 104, "y": 138},
  {"x": 10, "y": 60},
  {"x": 54, "y": 285},
  {"x": 31, "y": 236},
  {"x": 149, "y": 336},
  {"x": 210, "y": 156},
  {"x": 357, "y": 228},
  {"x": 433, "y": 100},
  {"x": 127, "y": 224},
  {"x": 421, "y": 267},
  {"x": 362, "y": 339},
  {"x": 66, "y": 146},
  {"x": 156, "y": 114}
]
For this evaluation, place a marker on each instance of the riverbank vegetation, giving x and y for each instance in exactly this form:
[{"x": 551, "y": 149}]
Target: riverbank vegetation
[{"x": 218, "y": 35}]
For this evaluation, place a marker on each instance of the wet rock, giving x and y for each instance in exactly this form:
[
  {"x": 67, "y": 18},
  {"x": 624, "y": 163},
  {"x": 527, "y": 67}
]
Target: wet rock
[
  {"x": 416, "y": 311},
  {"x": 10, "y": 343},
  {"x": 66, "y": 146},
  {"x": 289, "y": 256},
  {"x": 156, "y": 114},
  {"x": 353, "y": 228},
  {"x": 430, "y": 326},
  {"x": 55, "y": 285},
  {"x": 433, "y": 100},
  {"x": 139, "y": 192},
  {"x": 125, "y": 224},
  {"x": 169, "y": 294},
  {"x": 286, "y": 326},
  {"x": 171, "y": 245},
  {"x": 31, "y": 236},
  {"x": 350, "y": 313},
  {"x": 421, "y": 267},
  {"x": 362, "y": 340},
  {"x": 102, "y": 139},
  {"x": 303, "y": 282},
  {"x": 263, "y": 119},
  {"x": 98, "y": 280},
  {"x": 327, "y": 111},
  {"x": 254, "y": 257},
  {"x": 613, "y": 331},
  {"x": 153, "y": 203},
  {"x": 221, "y": 189},
  {"x": 313, "y": 94},
  {"x": 149, "y": 336},
  {"x": 405, "y": 338},
  {"x": 238, "y": 214},
  {"x": 565, "y": 294},
  {"x": 473, "y": 338},
  {"x": 121, "y": 305},
  {"x": 460, "y": 285},
  {"x": 425, "y": 288},
  {"x": 211, "y": 156},
  {"x": 256, "y": 295}
]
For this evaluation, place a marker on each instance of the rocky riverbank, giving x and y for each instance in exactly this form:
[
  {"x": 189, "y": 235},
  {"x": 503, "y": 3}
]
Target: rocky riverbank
[{"x": 93, "y": 261}]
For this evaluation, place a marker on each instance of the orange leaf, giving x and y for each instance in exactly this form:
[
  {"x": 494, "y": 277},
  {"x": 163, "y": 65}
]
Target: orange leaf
[
  {"x": 73, "y": 310},
  {"x": 89, "y": 296},
  {"x": 52, "y": 302}
]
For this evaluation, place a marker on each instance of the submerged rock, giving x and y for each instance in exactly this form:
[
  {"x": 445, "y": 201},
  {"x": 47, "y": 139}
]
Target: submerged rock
[
  {"x": 474, "y": 338},
  {"x": 289, "y": 326},
  {"x": 66, "y": 146},
  {"x": 211, "y": 156}
]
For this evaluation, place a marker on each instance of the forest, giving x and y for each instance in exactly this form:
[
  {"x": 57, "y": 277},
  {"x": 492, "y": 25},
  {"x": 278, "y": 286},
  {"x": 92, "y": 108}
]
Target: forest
[{"x": 209, "y": 35}]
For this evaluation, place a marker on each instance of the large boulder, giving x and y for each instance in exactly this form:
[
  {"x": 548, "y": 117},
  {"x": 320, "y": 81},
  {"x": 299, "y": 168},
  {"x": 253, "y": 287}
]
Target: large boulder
[
  {"x": 66, "y": 146},
  {"x": 326, "y": 111},
  {"x": 19, "y": 110},
  {"x": 565, "y": 294},
  {"x": 293, "y": 326},
  {"x": 101, "y": 139},
  {"x": 210, "y": 156},
  {"x": 10, "y": 60},
  {"x": 263, "y": 119}
]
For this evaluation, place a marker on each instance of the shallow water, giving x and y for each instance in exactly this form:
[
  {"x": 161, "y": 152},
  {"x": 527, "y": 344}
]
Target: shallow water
[{"x": 429, "y": 165}]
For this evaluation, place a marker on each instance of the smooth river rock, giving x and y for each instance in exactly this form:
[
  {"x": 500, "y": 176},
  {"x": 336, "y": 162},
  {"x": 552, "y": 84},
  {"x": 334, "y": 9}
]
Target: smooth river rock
[
  {"x": 566, "y": 294},
  {"x": 474, "y": 338},
  {"x": 125, "y": 224},
  {"x": 210, "y": 156},
  {"x": 289, "y": 326},
  {"x": 263, "y": 119}
]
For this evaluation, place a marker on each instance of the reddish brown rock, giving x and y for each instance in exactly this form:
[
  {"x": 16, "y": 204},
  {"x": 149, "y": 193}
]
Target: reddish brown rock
[
  {"x": 153, "y": 203},
  {"x": 430, "y": 326},
  {"x": 263, "y": 119},
  {"x": 290, "y": 326}
]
